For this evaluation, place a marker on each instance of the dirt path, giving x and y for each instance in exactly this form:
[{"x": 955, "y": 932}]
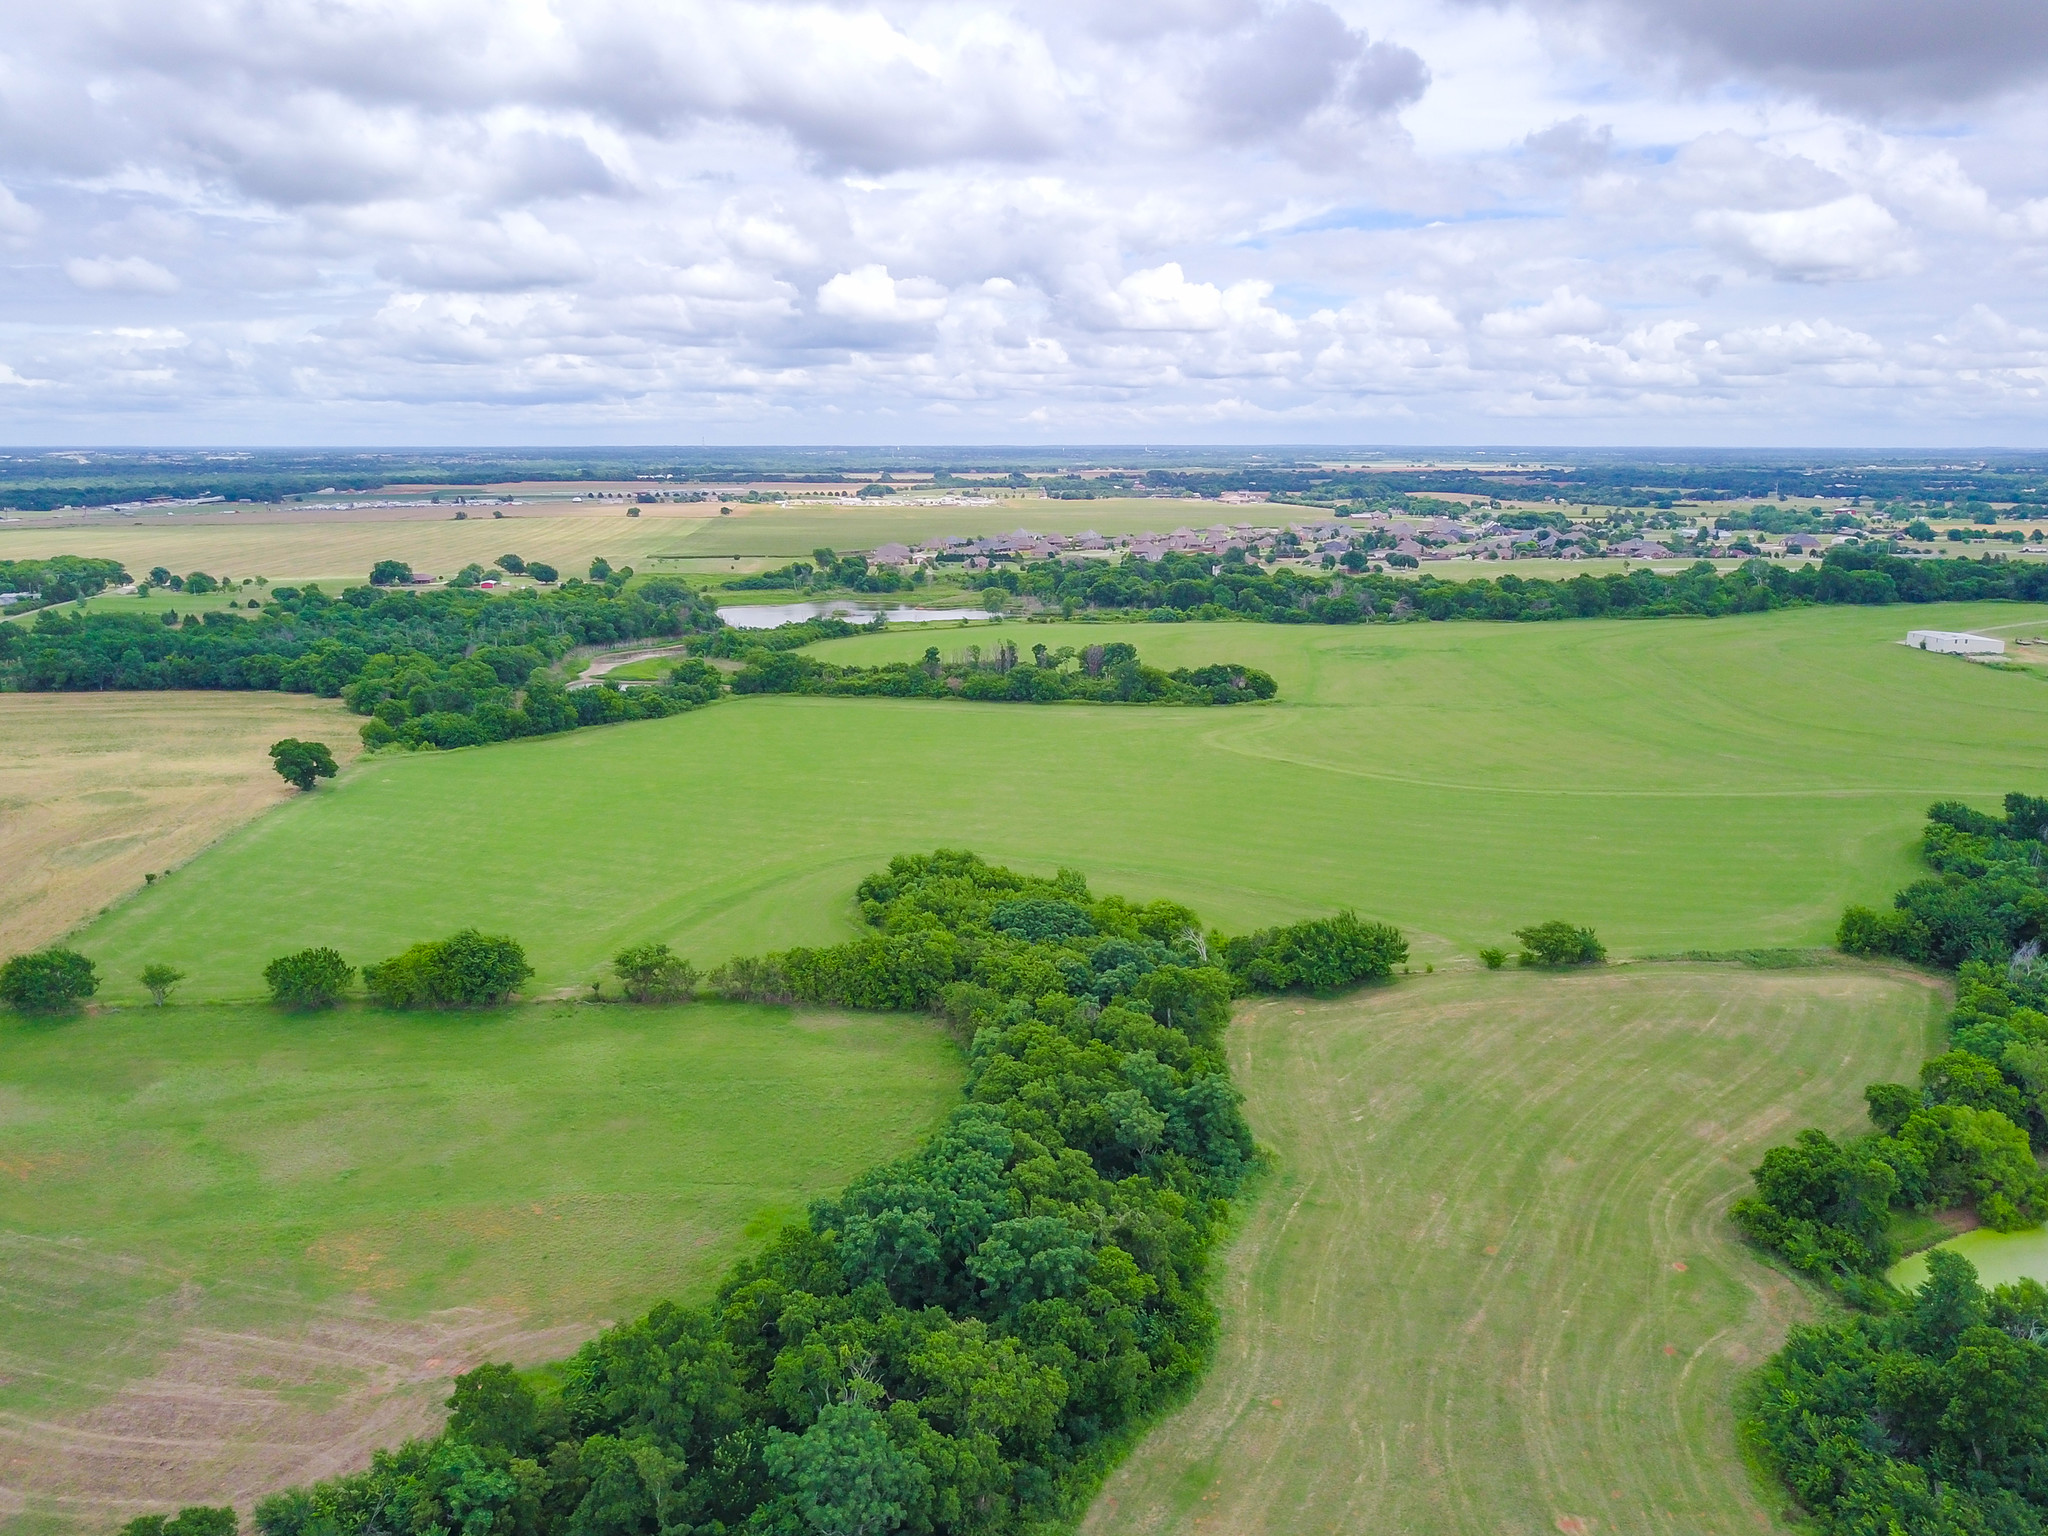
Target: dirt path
[
  {"x": 1488, "y": 1286},
  {"x": 97, "y": 789}
]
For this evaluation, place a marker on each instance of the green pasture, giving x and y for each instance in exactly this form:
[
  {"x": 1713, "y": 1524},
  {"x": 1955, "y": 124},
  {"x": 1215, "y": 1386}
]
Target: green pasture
[
  {"x": 1678, "y": 784},
  {"x": 300, "y": 1187},
  {"x": 799, "y": 528},
  {"x": 1488, "y": 1284}
]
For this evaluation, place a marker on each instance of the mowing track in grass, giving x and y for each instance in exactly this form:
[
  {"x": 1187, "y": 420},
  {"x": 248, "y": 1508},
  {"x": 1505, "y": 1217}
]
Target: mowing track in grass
[{"x": 1489, "y": 1286}]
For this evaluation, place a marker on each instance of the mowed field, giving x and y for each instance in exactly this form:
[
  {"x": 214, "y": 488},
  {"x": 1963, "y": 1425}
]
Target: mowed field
[
  {"x": 96, "y": 790},
  {"x": 1488, "y": 1286},
  {"x": 240, "y": 1249},
  {"x": 1679, "y": 785}
]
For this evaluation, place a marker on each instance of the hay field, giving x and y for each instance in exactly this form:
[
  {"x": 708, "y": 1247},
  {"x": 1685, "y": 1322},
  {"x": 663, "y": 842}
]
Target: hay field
[
  {"x": 98, "y": 788},
  {"x": 1488, "y": 1287},
  {"x": 342, "y": 546},
  {"x": 1721, "y": 784},
  {"x": 240, "y": 1249}
]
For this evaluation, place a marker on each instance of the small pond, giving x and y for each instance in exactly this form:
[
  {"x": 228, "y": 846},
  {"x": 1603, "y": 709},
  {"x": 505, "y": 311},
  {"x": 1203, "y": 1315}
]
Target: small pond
[
  {"x": 2000, "y": 1257},
  {"x": 769, "y": 615}
]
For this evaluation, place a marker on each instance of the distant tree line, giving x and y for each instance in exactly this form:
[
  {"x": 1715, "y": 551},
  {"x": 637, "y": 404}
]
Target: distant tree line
[
  {"x": 1106, "y": 674},
  {"x": 1185, "y": 586},
  {"x": 962, "y": 1340},
  {"x": 1929, "y": 1415}
]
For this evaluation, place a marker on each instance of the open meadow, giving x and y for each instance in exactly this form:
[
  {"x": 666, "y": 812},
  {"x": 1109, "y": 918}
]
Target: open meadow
[
  {"x": 1679, "y": 785},
  {"x": 1489, "y": 1287},
  {"x": 239, "y": 1249},
  {"x": 98, "y": 790}
]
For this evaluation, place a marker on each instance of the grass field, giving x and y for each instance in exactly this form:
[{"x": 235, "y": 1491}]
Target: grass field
[
  {"x": 1488, "y": 1286},
  {"x": 1679, "y": 785},
  {"x": 98, "y": 789},
  {"x": 238, "y": 1249}
]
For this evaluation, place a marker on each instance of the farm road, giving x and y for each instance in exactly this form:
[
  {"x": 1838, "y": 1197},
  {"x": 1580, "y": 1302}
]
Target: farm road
[{"x": 1489, "y": 1285}]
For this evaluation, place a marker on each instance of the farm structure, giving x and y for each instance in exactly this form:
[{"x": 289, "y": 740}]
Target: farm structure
[{"x": 1952, "y": 642}]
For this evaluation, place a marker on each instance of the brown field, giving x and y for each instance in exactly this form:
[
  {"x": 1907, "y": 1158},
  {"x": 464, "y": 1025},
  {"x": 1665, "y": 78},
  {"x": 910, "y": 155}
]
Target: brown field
[
  {"x": 1488, "y": 1285},
  {"x": 98, "y": 788}
]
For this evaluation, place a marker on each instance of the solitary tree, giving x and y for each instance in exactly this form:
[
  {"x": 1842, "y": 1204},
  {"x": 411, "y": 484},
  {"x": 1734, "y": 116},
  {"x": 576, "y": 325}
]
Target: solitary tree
[
  {"x": 302, "y": 762},
  {"x": 158, "y": 980},
  {"x": 511, "y": 563},
  {"x": 311, "y": 978},
  {"x": 542, "y": 572},
  {"x": 49, "y": 981},
  {"x": 389, "y": 573}
]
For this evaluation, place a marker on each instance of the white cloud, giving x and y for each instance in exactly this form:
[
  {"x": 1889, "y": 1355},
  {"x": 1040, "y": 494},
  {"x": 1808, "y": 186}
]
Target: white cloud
[
  {"x": 119, "y": 274},
  {"x": 1852, "y": 237},
  {"x": 871, "y": 296},
  {"x": 823, "y": 220}
]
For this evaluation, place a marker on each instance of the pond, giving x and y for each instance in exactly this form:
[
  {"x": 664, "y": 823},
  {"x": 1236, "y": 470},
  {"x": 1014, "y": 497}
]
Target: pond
[
  {"x": 769, "y": 615},
  {"x": 2000, "y": 1257}
]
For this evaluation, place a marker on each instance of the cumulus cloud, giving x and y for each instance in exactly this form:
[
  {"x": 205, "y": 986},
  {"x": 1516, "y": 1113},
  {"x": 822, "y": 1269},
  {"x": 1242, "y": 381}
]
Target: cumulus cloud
[
  {"x": 827, "y": 218},
  {"x": 1849, "y": 238}
]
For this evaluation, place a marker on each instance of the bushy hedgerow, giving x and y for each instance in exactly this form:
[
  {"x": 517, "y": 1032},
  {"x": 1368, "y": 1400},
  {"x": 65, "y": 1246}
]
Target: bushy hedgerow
[
  {"x": 1107, "y": 674},
  {"x": 960, "y": 1341},
  {"x": 1316, "y": 956}
]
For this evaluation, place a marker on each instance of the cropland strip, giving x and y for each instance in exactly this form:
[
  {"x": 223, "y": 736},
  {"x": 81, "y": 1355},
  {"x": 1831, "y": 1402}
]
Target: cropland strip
[
  {"x": 1489, "y": 1285},
  {"x": 1725, "y": 784},
  {"x": 239, "y": 1249},
  {"x": 97, "y": 789}
]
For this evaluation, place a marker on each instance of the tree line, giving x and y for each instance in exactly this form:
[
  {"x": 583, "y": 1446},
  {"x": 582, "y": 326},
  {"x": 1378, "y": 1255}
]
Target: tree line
[
  {"x": 1104, "y": 674},
  {"x": 961, "y": 1341},
  {"x": 1928, "y": 1414},
  {"x": 1180, "y": 585}
]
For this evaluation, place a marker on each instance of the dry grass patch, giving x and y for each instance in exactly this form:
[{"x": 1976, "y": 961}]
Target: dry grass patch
[
  {"x": 1489, "y": 1285},
  {"x": 98, "y": 788}
]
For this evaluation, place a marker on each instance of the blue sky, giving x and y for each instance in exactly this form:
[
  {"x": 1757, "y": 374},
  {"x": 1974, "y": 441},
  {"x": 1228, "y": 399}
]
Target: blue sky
[{"x": 1430, "y": 221}]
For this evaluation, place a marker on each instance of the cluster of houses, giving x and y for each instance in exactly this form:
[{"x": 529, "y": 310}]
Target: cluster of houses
[{"x": 1418, "y": 539}]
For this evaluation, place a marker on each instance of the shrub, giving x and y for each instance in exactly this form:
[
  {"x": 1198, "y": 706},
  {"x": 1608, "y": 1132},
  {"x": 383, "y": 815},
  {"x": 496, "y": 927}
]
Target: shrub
[
  {"x": 1321, "y": 954},
  {"x": 1558, "y": 943},
  {"x": 468, "y": 969},
  {"x": 1493, "y": 957},
  {"x": 654, "y": 973},
  {"x": 52, "y": 980},
  {"x": 193, "y": 1520},
  {"x": 311, "y": 978},
  {"x": 157, "y": 980}
]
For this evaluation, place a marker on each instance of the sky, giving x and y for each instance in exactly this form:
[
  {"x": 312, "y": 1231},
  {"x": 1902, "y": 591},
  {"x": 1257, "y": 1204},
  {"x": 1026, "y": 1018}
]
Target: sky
[{"x": 527, "y": 222}]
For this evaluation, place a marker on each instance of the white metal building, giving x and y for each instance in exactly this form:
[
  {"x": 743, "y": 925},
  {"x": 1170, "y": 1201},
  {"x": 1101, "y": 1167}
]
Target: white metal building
[{"x": 1954, "y": 643}]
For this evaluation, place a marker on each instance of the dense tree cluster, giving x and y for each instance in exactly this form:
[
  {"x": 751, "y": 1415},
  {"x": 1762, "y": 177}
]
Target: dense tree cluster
[
  {"x": 502, "y": 692},
  {"x": 1933, "y": 1419},
  {"x": 1109, "y": 674},
  {"x": 962, "y": 1339},
  {"x": 1965, "y": 1134},
  {"x": 1558, "y": 943},
  {"x": 61, "y": 578},
  {"x": 305, "y": 641},
  {"x": 828, "y": 570},
  {"x": 1184, "y": 586}
]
